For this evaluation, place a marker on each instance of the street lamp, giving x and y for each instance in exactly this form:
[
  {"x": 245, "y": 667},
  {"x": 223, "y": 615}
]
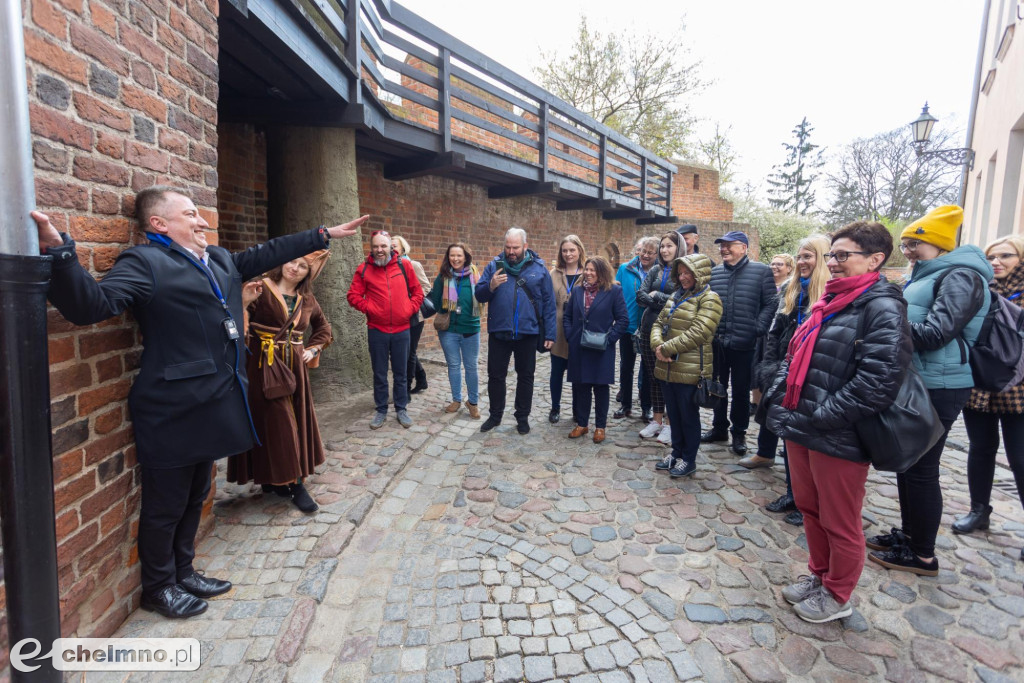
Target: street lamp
[{"x": 922, "y": 129}]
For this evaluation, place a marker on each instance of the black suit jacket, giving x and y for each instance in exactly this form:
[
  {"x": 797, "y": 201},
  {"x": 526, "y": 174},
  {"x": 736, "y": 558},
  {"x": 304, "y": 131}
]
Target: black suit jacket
[{"x": 188, "y": 402}]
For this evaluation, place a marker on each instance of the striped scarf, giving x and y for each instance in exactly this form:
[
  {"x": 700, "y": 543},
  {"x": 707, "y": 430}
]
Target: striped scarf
[{"x": 450, "y": 298}]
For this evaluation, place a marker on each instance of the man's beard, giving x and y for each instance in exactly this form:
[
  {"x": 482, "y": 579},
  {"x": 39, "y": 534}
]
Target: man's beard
[
  {"x": 512, "y": 259},
  {"x": 380, "y": 261}
]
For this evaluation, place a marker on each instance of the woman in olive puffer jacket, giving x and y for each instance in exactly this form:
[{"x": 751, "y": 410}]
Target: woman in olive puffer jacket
[{"x": 681, "y": 341}]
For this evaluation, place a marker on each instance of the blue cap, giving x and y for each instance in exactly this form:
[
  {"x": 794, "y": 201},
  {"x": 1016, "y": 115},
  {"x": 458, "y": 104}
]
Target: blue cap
[{"x": 734, "y": 236}]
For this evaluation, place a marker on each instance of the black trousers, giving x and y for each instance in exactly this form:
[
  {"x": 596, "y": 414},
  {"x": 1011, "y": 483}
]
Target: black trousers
[
  {"x": 627, "y": 363},
  {"x": 920, "y": 494},
  {"x": 414, "y": 368},
  {"x": 737, "y": 365},
  {"x": 499, "y": 352},
  {"x": 172, "y": 503},
  {"x": 983, "y": 433},
  {"x": 581, "y": 395}
]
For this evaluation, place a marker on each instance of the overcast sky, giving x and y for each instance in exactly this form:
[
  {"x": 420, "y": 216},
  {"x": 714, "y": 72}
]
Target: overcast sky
[{"x": 853, "y": 69}]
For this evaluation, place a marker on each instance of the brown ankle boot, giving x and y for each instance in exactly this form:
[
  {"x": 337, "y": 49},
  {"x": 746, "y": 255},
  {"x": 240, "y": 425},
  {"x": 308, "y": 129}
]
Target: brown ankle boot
[
  {"x": 474, "y": 410},
  {"x": 452, "y": 407}
]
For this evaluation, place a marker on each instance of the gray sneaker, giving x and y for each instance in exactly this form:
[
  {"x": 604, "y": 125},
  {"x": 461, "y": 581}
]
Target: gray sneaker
[
  {"x": 378, "y": 420},
  {"x": 821, "y": 606},
  {"x": 404, "y": 419},
  {"x": 802, "y": 589}
]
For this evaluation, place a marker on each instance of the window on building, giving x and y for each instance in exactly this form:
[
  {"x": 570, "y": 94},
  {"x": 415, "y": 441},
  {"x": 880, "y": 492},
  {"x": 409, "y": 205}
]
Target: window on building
[{"x": 696, "y": 181}]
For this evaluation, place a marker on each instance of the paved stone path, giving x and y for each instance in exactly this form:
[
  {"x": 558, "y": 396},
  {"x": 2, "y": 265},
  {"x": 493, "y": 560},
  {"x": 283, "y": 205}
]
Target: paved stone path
[{"x": 443, "y": 554}]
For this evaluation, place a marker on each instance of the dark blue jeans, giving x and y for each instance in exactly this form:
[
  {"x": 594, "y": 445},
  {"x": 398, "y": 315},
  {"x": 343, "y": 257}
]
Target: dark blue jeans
[
  {"x": 684, "y": 416},
  {"x": 386, "y": 347},
  {"x": 558, "y": 368}
]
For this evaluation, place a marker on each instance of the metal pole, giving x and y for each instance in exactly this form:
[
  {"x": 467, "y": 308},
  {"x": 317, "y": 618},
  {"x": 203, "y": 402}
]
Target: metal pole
[{"x": 26, "y": 461}]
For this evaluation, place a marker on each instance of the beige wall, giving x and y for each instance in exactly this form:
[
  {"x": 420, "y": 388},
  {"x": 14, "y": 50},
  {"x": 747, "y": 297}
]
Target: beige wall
[{"x": 994, "y": 204}]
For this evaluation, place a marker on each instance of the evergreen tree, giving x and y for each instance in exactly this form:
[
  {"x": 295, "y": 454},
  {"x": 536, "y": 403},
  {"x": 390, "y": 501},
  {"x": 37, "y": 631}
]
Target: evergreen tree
[{"x": 790, "y": 185}]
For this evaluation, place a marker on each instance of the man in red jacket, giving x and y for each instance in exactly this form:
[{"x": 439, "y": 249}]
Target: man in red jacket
[{"x": 388, "y": 296}]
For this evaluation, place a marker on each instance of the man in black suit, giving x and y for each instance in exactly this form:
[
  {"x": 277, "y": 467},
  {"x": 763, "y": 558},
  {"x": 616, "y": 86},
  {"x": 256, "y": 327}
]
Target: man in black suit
[{"x": 188, "y": 403}]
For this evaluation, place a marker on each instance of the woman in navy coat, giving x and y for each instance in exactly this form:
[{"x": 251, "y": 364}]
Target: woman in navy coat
[{"x": 599, "y": 307}]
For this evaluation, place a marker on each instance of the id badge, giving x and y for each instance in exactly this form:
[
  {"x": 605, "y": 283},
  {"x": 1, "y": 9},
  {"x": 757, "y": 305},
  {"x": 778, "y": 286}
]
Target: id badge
[{"x": 231, "y": 329}]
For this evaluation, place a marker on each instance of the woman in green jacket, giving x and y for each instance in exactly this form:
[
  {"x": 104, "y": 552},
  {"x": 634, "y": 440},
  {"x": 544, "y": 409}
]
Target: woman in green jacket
[
  {"x": 452, "y": 295},
  {"x": 681, "y": 341}
]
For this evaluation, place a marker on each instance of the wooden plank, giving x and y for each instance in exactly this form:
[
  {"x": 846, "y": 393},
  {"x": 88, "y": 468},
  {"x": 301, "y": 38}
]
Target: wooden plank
[
  {"x": 576, "y": 130},
  {"x": 434, "y": 164},
  {"x": 489, "y": 88},
  {"x": 494, "y": 128},
  {"x": 522, "y": 189},
  {"x": 369, "y": 11},
  {"x": 493, "y": 108},
  {"x": 542, "y": 147},
  {"x": 409, "y": 94},
  {"x": 418, "y": 75},
  {"x": 413, "y": 49},
  {"x": 444, "y": 116},
  {"x": 657, "y": 220},
  {"x": 569, "y": 142},
  {"x": 627, "y": 213},
  {"x": 585, "y": 204},
  {"x": 575, "y": 161}
]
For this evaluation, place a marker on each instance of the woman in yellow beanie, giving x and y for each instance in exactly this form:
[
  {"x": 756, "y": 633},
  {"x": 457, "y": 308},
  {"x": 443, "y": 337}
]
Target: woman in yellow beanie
[
  {"x": 946, "y": 297},
  {"x": 986, "y": 411}
]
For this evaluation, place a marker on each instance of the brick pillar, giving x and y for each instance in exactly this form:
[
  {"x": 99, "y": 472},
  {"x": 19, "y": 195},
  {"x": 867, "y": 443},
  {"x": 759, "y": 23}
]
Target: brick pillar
[{"x": 311, "y": 174}]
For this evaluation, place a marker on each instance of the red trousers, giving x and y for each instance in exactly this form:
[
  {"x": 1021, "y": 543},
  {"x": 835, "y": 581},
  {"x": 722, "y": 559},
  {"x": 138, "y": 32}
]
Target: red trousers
[{"x": 830, "y": 493}]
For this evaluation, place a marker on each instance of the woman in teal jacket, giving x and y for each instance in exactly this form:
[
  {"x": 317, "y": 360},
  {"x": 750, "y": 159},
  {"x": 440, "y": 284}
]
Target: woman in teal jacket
[
  {"x": 452, "y": 294},
  {"x": 945, "y": 295}
]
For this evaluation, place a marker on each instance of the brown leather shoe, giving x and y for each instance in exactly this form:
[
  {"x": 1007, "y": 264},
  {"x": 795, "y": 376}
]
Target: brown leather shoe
[
  {"x": 754, "y": 461},
  {"x": 598, "y": 435},
  {"x": 452, "y": 407},
  {"x": 474, "y": 410},
  {"x": 578, "y": 431}
]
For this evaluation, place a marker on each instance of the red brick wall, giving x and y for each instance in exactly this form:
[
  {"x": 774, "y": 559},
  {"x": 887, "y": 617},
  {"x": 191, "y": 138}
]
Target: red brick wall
[
  {"x": 122, "y": 95},
  {"x": 242, "y": 194},
  {"x": 695, "y": 195}
]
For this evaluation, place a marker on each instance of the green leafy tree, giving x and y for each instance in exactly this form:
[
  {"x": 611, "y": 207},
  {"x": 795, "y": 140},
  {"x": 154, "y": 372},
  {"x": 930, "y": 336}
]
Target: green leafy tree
[
  {"x": 881, "y": 178},
  {"x": 790, "y": 187},
  {"x": 634, "y": 84},
  {"x": 779, "y": 231}
]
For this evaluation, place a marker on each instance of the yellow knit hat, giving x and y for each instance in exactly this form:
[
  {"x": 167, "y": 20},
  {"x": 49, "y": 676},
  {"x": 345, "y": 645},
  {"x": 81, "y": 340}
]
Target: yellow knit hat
[{"x": 937, "y": 227}]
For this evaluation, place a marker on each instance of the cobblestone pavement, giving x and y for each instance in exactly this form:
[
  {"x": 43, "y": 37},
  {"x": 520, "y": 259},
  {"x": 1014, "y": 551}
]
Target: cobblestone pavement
[{"x": 443, "y": 554}]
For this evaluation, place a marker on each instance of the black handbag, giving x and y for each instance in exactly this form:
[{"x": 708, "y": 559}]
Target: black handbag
[
  {"x": 896, "y": 438},
  {"x": 521, "y": 283},
  {"x": 596, "y": 341},
  {"x": 709, "y": 393}
]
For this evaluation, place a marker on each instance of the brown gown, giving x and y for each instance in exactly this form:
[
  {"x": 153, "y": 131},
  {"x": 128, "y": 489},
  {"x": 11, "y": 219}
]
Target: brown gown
[{"x": 287, "y": 427}]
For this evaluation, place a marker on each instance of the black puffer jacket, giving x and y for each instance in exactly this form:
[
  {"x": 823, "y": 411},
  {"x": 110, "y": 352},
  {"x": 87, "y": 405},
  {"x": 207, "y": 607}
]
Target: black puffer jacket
[
  {"x": 747, "y": 290},
  {"x": 776, "y": 342},
  {"x": 656, "y": 289},
  {"x": 849, "y": 378}
]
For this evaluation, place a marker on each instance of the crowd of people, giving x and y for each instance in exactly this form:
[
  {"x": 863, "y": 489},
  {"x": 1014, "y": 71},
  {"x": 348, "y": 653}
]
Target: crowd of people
[{"x": 820, "y": 340}]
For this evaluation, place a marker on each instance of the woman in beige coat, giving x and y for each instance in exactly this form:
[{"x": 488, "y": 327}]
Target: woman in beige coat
[{"x": 565, "y": 276}]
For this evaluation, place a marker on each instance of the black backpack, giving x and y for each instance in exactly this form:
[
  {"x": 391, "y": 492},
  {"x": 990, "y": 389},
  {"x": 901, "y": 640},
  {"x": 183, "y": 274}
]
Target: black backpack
[{"x": 997, "y": 357}]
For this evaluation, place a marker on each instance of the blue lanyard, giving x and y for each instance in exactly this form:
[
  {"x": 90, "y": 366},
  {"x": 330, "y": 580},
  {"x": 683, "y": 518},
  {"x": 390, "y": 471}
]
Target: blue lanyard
[
  {"x": 906, "y": 284},
  {"x": 664, "y": 276},
  {"x": 824, "y": 320},
  {"x": 800, "y": 312},
  {"x": 681, "y": 301},
  {"x": 572, "y": 283},
  {"x": 1015, "y": 296},
  {"x": 199, "y": 265}
]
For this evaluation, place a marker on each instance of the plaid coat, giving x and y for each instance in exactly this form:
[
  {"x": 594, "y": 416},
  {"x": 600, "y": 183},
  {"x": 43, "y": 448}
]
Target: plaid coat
[{"x": 1010, "y": 401}]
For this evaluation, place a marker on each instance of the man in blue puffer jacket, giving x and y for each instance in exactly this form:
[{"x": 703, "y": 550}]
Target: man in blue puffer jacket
[{"x": 514, "y": 322}]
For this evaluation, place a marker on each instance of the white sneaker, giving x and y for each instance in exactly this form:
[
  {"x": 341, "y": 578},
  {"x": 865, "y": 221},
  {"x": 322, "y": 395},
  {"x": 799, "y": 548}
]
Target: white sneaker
[
  {"x": 650, "y": 431},
  {"x": 665, "y": 437}
]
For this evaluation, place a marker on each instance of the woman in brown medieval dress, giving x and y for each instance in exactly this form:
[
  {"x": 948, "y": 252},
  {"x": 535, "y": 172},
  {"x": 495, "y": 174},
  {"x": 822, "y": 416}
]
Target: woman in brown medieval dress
[{"x": 278, "y": 320}]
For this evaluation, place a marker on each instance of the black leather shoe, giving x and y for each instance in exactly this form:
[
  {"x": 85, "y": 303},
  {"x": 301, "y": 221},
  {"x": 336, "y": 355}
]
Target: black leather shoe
[
  {"x": 174, "y": 602},
  {"x": 490, "y": 423},
  {"x": 618, "y": 396},
  {"x": 302, "y": 499},
  {"x": 554, "y": 416},
  {"x": 419, "y": 387},
  {"x": 623, "y": 412},
  {"x": 711, "y": 436},
  {"x": 282, "y": 491},
  {"x": 203, "y": 586},
  {"x": 646, "y": 416},
  {"x": 796, "y": 518},
  {"x": 523, "y": 426},
  {"x": 783, "y": 503},
  {"x": 739, "y": 444},
  {"x": 976, "y": 519}
]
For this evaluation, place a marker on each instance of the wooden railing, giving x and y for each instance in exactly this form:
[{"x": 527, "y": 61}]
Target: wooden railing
[{"x": 431, "y": 81}]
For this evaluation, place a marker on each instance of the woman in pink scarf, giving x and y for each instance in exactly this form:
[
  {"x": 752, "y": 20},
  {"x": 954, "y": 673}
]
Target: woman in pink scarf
[{"x": 845, "y": 363}]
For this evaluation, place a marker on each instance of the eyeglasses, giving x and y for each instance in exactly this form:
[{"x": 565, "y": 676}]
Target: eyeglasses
[
  {"x": 777, "y": 265},
  {"x": 842, "y": 256},
  {"x": 910, "y": 245},
  {"x": 1005, "y": 256}
]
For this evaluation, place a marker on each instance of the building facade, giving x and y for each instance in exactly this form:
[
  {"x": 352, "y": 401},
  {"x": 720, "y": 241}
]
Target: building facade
[{"x": 994, "y": 201}]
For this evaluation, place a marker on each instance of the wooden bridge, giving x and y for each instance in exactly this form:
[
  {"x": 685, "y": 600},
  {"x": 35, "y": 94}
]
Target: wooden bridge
[{"x": 425, "y": 103}]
